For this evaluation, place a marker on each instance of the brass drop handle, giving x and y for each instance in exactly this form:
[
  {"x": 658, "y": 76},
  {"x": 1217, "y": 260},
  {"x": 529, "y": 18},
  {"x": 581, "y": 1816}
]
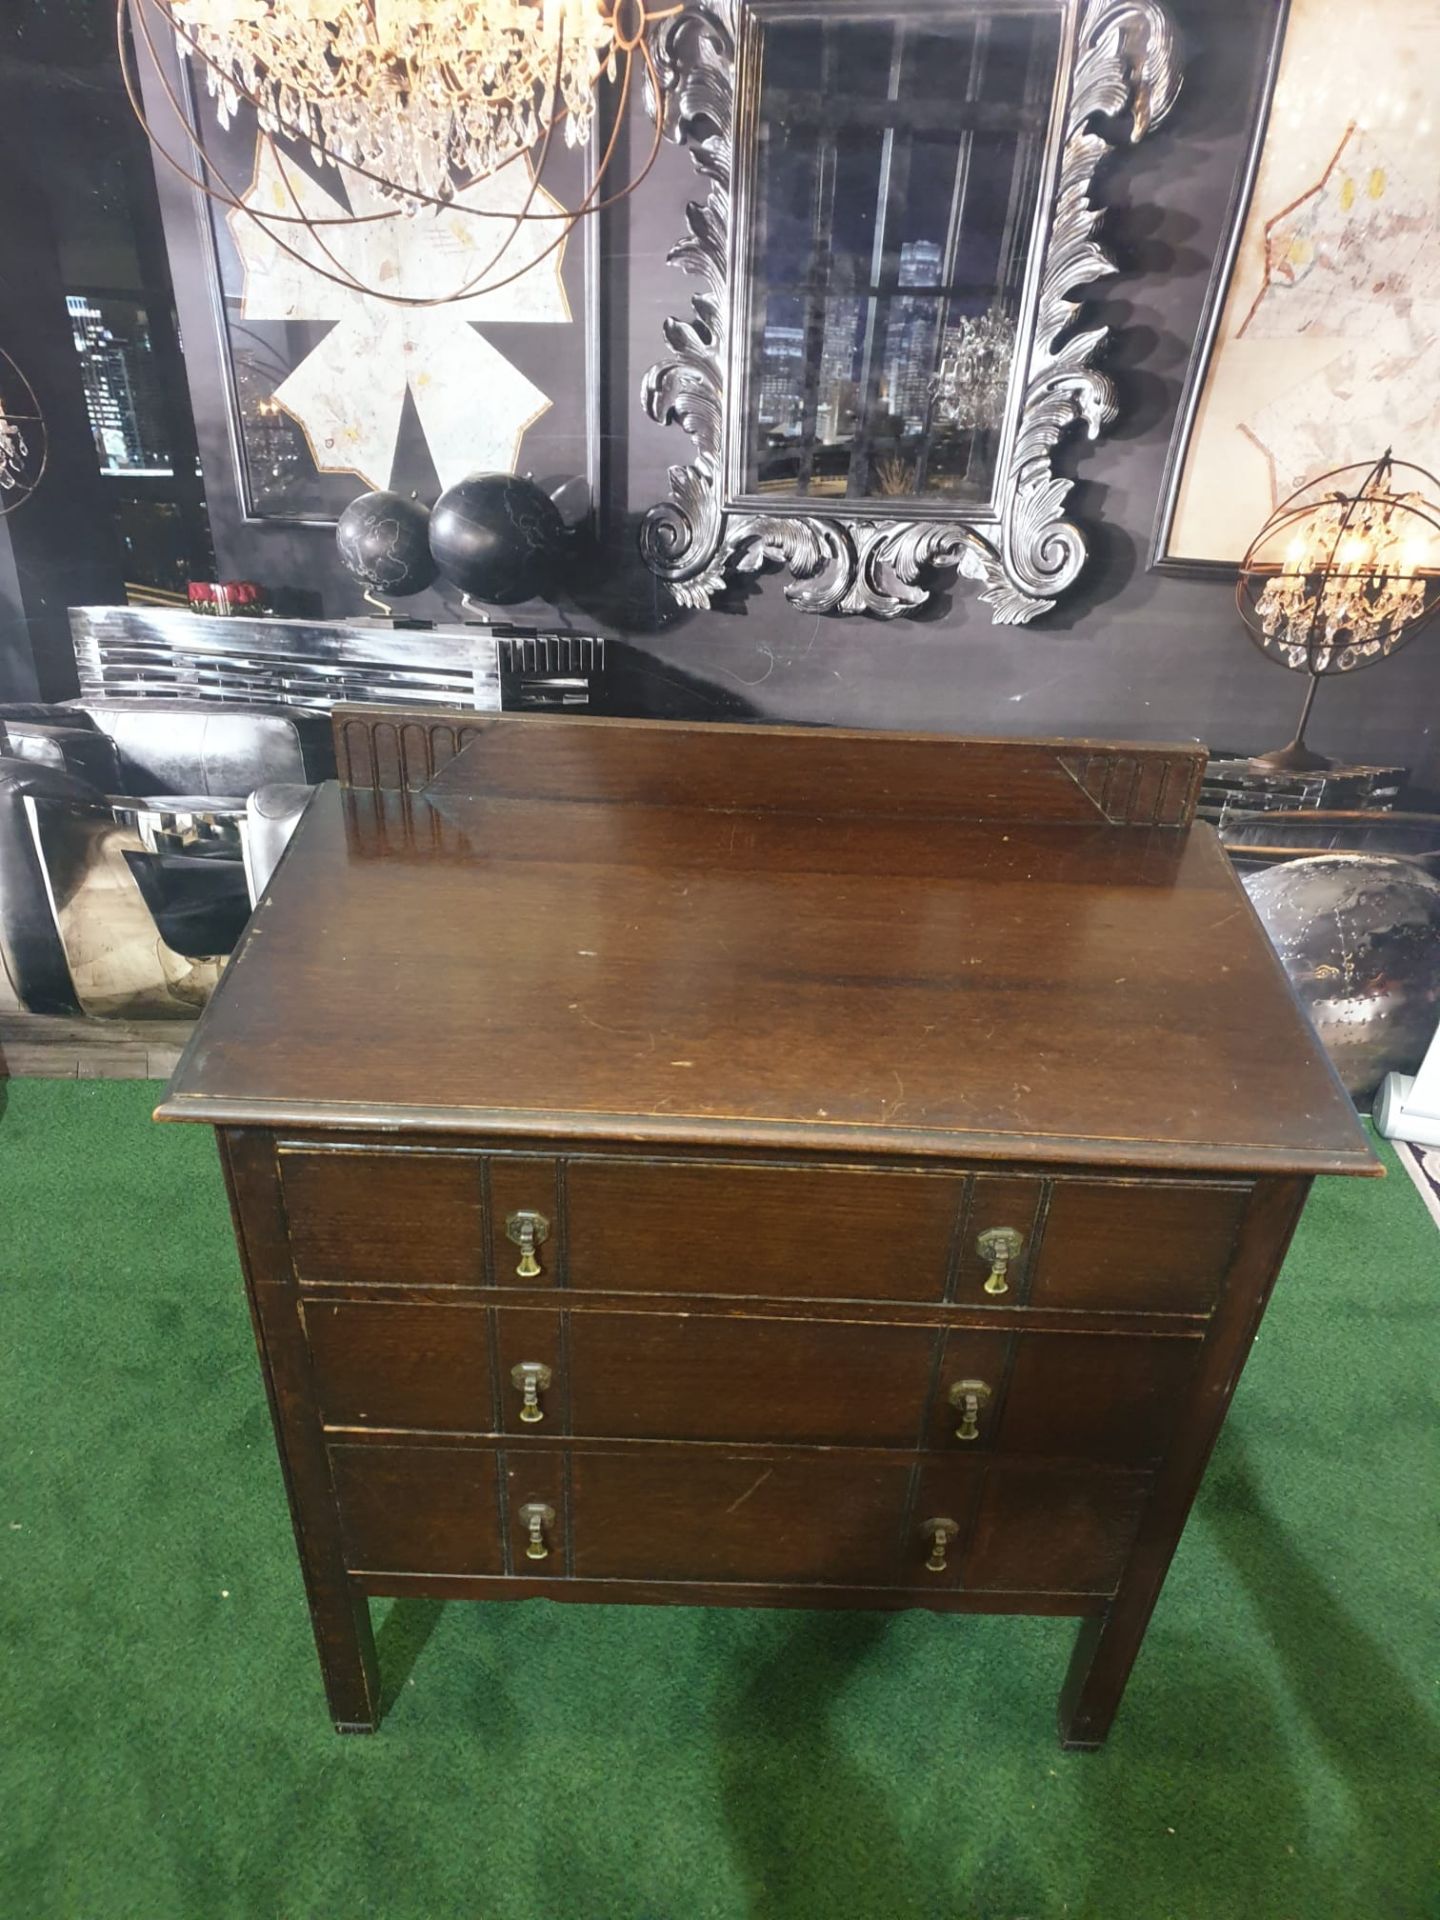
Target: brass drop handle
[
  {"x": 968, "y": 1397},
  {"x": 999, "y": 1245},
  {"x": 528, "y": 1230},
  {"x": 939, "y": 1533},
  {"x": 532, "y": 1377},
  {"x": 536, "y": 1517}
]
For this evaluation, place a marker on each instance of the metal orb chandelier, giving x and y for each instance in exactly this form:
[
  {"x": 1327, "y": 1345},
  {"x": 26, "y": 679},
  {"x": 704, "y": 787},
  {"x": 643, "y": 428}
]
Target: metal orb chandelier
[
  {"x": 24, "y": 446},
  {"x": 1342, "y": 574},
  {"x": 417, "y": 100}
]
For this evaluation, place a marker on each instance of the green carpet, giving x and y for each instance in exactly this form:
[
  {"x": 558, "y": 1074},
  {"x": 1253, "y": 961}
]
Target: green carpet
[{"x": 164, "y": 1749}]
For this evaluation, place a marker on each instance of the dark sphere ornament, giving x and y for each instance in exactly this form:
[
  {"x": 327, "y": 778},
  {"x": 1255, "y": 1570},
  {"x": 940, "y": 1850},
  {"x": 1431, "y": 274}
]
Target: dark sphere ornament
[
  {"x": 383, "y": 539},
  {"x": 498, "y": 538}
]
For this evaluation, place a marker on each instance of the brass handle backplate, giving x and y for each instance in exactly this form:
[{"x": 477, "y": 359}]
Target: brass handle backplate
[
  {"x": 532, "y": 1377},
  {"x": 999, "y": 1245},
  {"x": 968, "y": 1397},
  {"x": 939, "y": 1534},
  {"x": 528, "y": 1230},
  {"x": 537, "y": 1519}
]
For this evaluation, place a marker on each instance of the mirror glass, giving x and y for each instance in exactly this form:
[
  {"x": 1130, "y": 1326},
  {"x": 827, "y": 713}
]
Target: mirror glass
[{"x": 893, "y": 198}]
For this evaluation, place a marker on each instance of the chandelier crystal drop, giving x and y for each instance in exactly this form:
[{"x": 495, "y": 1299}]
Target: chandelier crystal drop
[
  {"x": 416, "y": 93},
  {"x": 972, "y": 383}
]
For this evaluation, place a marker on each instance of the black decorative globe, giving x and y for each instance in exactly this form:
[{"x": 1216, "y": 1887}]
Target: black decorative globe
[
  {"x": 383, "y": 540},
  {"x": 498, "y": 538}
]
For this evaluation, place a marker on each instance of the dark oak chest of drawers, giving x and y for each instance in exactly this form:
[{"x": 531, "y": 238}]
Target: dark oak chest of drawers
[{"x": 755, "y": 1167}]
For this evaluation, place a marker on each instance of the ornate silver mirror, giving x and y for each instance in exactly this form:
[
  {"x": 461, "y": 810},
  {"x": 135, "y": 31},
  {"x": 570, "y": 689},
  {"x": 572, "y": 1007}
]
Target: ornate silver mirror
[{"x": 885, "y": 351}]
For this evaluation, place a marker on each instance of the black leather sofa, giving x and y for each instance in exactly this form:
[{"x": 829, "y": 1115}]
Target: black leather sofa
[{"x": 92, "y": 754}]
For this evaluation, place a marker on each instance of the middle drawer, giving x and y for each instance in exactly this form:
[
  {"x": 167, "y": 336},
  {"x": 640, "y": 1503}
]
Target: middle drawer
[{"x": 699, "y": 1376}]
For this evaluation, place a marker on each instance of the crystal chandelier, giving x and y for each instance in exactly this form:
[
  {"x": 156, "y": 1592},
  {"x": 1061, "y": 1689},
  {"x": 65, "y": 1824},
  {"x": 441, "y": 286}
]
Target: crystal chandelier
[
  {"x": 1342, "y": 574},
  {"x": 972, "y": 383},
  {"x": 418, "y": 98},
  {"x": 415, "y": 90}
]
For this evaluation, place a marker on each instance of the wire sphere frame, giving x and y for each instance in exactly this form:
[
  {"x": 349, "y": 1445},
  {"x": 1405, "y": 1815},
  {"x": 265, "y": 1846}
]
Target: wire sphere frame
[
  {"x": 34, "y": 418},
  {"x": 1325, "y": 656},
  {"x": 632, "y": 29}
]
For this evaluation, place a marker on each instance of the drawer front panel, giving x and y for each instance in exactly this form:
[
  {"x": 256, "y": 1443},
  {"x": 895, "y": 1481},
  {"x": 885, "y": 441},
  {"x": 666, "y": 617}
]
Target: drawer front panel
[
  {"x": 400, "y": 1366},
  {"x": 704, "y": 1514},
  {"x": 674, "y": 1376},
  {"x": 1098, "y": 1245},
  {"x": 699, "y": 1377},
  {"x": 384, "y": 1218},
  {"x": 1151, "y": 1248},
  {"x": 1037, "y": 1529},
  {"x": 783, "y": 1232},
  {"x": 1101, "y": 1397},
  {"x": 418, "y": 1509},
  {"x": 1084, "y": 1397},
  {"x": 697, "y": 1516}
]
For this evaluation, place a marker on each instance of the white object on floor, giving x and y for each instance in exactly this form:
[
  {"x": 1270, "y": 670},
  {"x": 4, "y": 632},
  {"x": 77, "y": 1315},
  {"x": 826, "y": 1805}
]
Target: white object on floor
[
  {"x": 1423, "y": 1166},
  {"x": 1407, "y": 1106}
]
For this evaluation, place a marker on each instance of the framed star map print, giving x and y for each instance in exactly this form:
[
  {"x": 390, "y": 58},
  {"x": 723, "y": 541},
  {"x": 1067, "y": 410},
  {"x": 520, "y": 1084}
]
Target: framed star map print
[
  {"x": 331, "y": 392},
  {"x": 1321, "y": 341}
]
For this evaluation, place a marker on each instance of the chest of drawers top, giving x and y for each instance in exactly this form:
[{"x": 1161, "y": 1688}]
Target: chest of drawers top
[{"x": 767, "y": 939}]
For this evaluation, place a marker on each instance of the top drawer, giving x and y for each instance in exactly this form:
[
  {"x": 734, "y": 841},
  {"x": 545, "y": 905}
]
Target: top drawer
[{"x": 445, "y": 1218}]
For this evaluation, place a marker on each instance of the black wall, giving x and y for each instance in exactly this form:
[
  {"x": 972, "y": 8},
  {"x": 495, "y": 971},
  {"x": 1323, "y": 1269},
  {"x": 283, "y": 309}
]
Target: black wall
[{"x": 1134, "y": 652}]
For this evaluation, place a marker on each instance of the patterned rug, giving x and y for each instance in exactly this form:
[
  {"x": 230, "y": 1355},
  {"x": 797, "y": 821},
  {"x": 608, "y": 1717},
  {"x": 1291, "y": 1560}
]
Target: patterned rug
[{"x": 1423, "y": 1166}]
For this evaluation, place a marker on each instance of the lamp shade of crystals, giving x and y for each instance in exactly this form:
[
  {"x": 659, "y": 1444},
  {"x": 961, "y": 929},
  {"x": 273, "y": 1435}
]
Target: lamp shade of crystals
[
  {"x": 419, "y": 98},
  {"x": 1343, "y": 573},
  {"x": 414, "y": 89}
]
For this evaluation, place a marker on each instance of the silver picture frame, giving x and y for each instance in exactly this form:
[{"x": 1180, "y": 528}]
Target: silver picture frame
[{"x": 1118, "y": 75}]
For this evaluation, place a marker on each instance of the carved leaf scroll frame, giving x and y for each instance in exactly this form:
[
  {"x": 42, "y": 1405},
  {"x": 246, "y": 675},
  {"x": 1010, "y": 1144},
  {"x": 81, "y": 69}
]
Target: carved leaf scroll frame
[{"x": 1022, "y": 551}]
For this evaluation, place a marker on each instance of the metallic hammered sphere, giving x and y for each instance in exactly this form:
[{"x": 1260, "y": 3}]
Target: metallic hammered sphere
[{"x": 1359, "y": 936}]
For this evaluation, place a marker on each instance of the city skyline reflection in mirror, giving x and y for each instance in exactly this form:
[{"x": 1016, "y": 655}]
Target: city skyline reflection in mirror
[{"x": 897, "y": 171}]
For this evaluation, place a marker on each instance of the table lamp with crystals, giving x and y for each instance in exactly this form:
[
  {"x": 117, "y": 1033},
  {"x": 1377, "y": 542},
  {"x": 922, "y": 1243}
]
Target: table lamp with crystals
[{"x": 1342, "y": 574}]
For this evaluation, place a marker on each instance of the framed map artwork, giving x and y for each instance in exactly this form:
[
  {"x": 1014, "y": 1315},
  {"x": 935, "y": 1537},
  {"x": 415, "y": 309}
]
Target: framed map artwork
[
  {"x": 1321, "y": 340},
  {"x": 331, "y": 392}
]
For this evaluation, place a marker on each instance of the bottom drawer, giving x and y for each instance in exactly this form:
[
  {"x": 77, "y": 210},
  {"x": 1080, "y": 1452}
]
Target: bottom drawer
[{"x": 722, "y": 1516}]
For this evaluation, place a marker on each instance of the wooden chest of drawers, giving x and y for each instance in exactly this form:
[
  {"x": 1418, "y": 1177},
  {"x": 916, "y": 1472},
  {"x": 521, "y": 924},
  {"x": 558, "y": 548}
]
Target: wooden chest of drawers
[{"x": 679, "y": 1164}]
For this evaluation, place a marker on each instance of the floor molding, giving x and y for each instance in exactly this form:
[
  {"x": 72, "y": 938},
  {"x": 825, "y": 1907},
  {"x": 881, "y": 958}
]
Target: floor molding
[{"x": 39, "y": 1046}]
